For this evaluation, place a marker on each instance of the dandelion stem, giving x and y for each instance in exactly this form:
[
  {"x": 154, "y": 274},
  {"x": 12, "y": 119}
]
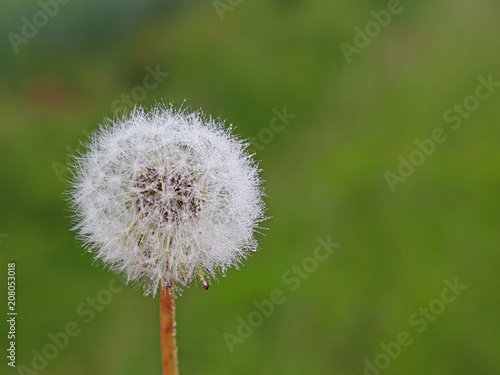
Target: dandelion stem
[{"x": 167, "y": 327}]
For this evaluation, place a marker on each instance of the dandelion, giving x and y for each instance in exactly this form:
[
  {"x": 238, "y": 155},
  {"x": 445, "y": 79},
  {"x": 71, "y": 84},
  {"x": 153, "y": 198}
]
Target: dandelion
[{"x": 165, "y": 198}]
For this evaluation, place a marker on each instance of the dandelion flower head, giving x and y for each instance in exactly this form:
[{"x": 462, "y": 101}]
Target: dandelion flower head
[{"x": 166, "y": 197}]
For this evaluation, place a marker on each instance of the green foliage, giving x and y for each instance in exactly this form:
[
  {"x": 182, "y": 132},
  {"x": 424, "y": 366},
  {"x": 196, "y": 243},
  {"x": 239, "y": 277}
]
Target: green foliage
[{"x": 325, "y": 177}]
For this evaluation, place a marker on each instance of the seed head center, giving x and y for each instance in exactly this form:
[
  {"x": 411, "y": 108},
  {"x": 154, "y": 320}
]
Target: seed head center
[{"x": 169, "y": 194}]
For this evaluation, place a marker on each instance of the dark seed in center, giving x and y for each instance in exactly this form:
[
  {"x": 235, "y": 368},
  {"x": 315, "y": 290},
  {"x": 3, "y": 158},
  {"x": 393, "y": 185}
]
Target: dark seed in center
[{"x": 168, "y": 192}]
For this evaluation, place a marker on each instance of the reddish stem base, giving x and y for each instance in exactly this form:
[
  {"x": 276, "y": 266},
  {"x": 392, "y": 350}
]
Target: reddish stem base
[{"x": 167, "y": 326}]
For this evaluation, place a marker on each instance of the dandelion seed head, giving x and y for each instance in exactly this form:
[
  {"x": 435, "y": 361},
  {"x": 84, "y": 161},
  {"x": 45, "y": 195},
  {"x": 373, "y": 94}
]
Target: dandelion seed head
[{"x": 164, "y": 197}]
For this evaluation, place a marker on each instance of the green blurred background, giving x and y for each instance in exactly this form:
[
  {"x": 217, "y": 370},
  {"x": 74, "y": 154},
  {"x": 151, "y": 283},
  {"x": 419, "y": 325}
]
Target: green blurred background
[{"x": 324, "y": 171}]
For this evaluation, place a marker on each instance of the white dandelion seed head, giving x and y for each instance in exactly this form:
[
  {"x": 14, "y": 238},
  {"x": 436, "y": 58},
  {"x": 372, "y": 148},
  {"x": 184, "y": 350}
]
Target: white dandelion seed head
[{"x": 165, "y": 197}]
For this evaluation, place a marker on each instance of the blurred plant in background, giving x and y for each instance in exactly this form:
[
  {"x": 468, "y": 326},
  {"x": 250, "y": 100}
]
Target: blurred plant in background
[{"x": 324, "y": 174}]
